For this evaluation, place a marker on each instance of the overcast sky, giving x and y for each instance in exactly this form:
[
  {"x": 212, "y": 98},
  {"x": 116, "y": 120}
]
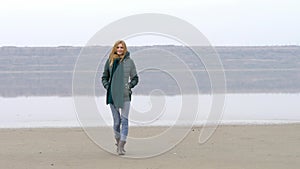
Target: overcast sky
[{"x": 223, "y": 22}]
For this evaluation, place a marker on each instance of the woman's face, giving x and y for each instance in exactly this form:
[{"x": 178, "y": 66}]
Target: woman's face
[{"x": 120, "y": 49}]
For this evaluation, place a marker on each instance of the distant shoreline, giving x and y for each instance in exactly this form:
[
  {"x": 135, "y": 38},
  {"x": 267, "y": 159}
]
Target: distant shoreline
[
  {"x": 77, "y": 46},
  {"x": 48, "y": 71}
]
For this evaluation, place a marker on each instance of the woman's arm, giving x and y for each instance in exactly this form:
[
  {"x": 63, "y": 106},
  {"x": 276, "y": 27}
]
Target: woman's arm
[
  {"x": 105, "y": 75},
  {"x": 134, "y": 79}
]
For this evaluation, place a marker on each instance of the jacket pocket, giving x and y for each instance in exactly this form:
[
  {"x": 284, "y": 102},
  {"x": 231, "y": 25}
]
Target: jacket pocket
[{"x": 127, "y": 91}]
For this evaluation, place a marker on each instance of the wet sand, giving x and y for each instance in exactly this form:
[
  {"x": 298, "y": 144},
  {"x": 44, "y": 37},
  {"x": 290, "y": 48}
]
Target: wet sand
[{"x": 230, "y": 147}]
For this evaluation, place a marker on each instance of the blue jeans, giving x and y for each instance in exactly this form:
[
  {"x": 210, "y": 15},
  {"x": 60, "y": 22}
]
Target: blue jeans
[{"x": 120, "y": 117}]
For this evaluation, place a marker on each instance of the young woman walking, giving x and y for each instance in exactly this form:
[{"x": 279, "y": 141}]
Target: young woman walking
[{"x": 119, "y": 77}]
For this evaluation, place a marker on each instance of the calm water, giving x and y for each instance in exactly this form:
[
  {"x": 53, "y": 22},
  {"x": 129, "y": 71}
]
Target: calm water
[{"x": 244, "y": 109}]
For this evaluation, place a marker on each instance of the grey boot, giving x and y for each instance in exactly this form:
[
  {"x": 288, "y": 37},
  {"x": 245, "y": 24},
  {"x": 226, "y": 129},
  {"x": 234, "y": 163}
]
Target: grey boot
[
  {"x": 117, "y": 144},
  {"x": 121, "y": 150}
]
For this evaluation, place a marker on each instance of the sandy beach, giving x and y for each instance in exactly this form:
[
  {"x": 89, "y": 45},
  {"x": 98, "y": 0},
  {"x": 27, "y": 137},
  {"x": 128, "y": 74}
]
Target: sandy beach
[{"x": 230, "y": 147}]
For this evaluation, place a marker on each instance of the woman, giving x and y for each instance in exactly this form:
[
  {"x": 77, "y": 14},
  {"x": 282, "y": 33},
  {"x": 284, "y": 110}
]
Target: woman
[{"x": 119, "y": 77}]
